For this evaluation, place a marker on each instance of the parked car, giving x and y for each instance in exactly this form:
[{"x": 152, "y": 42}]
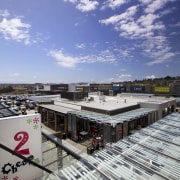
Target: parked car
[{"x": 30, "y": 106}]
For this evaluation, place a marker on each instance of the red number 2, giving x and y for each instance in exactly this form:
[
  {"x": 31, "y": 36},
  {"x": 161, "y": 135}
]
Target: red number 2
[{"x": 23, "y": 137}]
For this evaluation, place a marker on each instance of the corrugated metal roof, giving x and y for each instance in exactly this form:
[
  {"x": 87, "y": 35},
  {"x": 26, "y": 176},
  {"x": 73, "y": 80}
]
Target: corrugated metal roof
[
  {"x": 151, "y": 153},
  {"x": 119, "y": 118}
]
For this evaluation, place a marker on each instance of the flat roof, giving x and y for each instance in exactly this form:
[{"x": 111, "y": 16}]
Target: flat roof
[
  {"x": 110, "y": 103},
  {"x": 101, "y": 102}
]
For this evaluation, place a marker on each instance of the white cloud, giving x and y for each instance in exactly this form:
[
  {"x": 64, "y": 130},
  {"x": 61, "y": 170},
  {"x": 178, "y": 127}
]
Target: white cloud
[
  {"x": 124, "y": 52},
  {"x": 113, "y": 4},
  {"x": 150, "y": 77},
  {"x": 156, "y": 5},
  {"x": 165, "y": 57},
  {"x": 130, "y": 27},
  {"x": 123, "y": 17},
  {"x": 68, "y": 61},
  {"x": 145, "y": 1},
  {"x": 147, "y": 28},
  {"x": 71, "y": 1},
  {"x": 87, "y": 5},
  {"x": 167, "y": 11},
  {"x": 121, "y": 78},
  {"x": 80, "y": 46},
  {"x": 175, "y": 25},
  {"x": 15, "y": 29},
  {"x": 63, "y": 60},
  {"x": 157, "y": 48},
  {"x": 76, "y": 24},
  {"x": 147, "y": 20},
  {"x": 4, "y": 13},
  {"x": 94, "y": 45},
  {"x": 124, "y": 75},
  {"x": 84, "y": 5}
]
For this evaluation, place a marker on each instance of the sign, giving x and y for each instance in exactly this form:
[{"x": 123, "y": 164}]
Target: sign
[
  {"x": 94, "y": 88},
  {"x": 59, "y": 87},
  {"x": 137, "y": 89},
  {"x": 41, "y": 87},
  {"x": 162, "y": 89},
  {"x": 119, "y": 88},
  {"x": 79, "y": 88},
  {"x": 115, "y": 88},
  {"x": 23, "y": 135}
]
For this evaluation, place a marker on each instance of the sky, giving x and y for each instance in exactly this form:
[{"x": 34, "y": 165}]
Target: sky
[{"x": 102, "y": 41}]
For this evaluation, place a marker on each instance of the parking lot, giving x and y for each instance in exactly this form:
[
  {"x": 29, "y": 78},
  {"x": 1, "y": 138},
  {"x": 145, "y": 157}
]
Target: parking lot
[{"x": 19, "y": 103}]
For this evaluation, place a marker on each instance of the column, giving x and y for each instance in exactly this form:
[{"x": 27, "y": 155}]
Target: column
[
  {"x": 55, "y": 119},
  {"x": 47, "y": 117},
  {"x": 65, "y": 123}
]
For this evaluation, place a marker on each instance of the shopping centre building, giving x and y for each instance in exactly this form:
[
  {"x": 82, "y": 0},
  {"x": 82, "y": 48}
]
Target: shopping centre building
[
  {"x": 140, "y": 134},
  {"x": 110, "y": 117}
]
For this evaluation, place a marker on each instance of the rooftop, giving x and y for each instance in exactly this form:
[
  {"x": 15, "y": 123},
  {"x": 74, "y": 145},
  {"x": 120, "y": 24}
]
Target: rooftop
[
  {"x": 109, "y": 105},
  {"x": 152, "y": 153}
]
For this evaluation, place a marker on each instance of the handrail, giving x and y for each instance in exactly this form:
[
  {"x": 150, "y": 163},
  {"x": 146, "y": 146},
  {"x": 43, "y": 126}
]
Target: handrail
[
  {"x": 74, "y": 154},
  {"x": 69, "y": 151}
]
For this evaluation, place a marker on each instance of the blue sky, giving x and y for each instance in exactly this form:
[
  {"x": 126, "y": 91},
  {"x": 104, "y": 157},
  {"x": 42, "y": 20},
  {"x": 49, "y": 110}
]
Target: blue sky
[{"x": 65, "y": 41}]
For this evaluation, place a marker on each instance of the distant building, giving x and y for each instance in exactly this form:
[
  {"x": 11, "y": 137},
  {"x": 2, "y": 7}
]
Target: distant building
[
  {"x": 45, "y": 89},
  {"x": 160, "y": 87}
]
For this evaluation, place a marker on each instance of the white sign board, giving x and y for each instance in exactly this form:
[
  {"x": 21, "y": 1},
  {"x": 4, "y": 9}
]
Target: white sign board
[{"x": 22, "y": 134}]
